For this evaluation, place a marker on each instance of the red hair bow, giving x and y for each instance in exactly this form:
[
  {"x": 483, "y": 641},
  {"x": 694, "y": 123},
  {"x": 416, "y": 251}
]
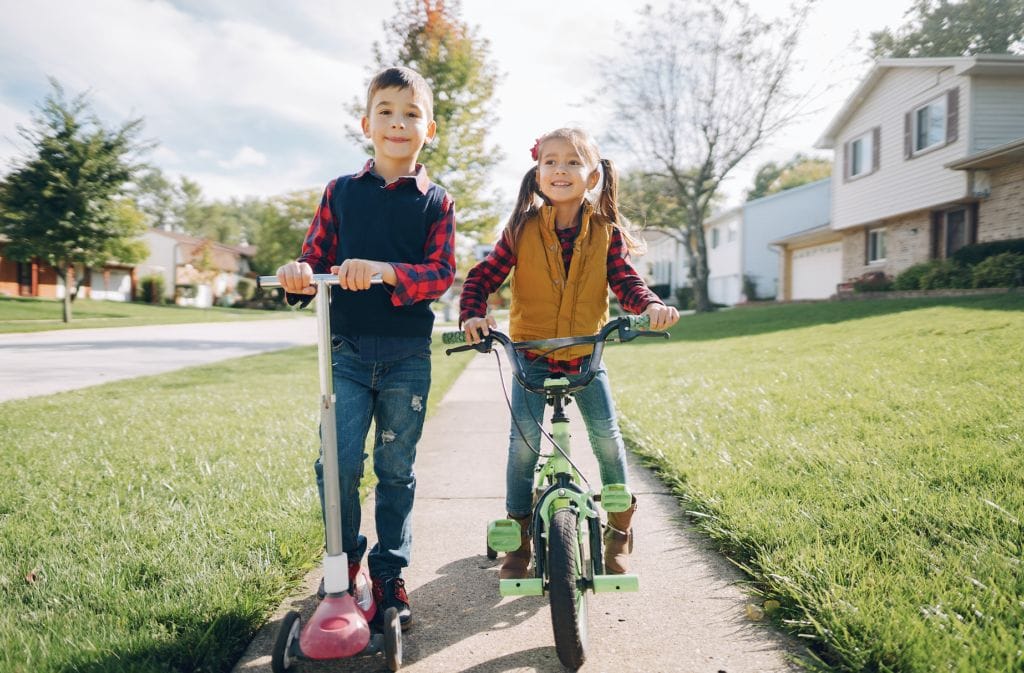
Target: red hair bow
[{"x": 535, "y": 148}]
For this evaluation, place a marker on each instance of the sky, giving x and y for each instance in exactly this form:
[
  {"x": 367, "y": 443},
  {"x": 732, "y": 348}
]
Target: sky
[{"x": 249, "y": 97}]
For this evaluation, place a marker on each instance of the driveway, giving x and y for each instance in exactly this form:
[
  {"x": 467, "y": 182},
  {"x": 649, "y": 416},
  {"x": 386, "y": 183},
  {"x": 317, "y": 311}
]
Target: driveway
[{"x": 40, "y": 363}]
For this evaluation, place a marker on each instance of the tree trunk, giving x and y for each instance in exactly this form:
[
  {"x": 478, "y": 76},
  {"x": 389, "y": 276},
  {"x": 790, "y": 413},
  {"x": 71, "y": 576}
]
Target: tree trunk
[
  {"x": 65, "y": 274},
  {"x": 701, "y": 299}
]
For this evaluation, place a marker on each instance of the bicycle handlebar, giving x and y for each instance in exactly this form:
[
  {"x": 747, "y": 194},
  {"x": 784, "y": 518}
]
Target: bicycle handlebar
[{"x": 628, "y": 327}]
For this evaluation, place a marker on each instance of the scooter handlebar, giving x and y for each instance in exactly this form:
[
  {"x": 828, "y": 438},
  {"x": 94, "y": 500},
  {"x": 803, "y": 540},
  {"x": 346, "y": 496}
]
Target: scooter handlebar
[{"x": 329, "y": 278}]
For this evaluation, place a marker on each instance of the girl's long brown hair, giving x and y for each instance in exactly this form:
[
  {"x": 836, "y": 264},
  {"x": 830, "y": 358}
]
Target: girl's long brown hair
[{"x": 608, "y": 200}]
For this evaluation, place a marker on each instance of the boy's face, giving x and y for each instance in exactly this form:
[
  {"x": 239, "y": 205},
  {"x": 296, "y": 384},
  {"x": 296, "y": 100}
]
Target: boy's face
[{"x": 398, "y": 124}]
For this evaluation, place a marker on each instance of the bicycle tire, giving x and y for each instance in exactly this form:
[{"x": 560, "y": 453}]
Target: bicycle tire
[{"x": 569, "y": 617}]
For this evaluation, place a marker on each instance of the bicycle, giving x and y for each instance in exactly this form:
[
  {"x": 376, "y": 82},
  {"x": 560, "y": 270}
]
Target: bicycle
[{"x": 566, "y": 524}]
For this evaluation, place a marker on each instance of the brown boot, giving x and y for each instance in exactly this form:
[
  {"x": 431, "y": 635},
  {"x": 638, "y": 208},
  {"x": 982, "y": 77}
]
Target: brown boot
[
  {"x": 618, "y": 540},
  {"x": 516, "y": 563}
]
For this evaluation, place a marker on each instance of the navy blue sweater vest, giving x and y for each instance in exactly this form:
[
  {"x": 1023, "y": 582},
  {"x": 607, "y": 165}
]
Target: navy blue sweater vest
[{"x": 387, "y": 225}]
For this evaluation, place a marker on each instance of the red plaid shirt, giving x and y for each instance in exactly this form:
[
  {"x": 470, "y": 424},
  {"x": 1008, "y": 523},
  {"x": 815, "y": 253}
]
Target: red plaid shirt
[
  {"x": 416, "y": 282},
  {"x": 486, "y": 277}
]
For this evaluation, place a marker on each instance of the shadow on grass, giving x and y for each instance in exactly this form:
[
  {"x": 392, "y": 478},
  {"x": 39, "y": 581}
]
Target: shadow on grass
[{"x": 769, "y": 317}]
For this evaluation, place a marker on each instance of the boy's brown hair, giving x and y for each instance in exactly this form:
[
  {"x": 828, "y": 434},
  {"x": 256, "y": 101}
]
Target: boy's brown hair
[{"x": 401, "y": 78}]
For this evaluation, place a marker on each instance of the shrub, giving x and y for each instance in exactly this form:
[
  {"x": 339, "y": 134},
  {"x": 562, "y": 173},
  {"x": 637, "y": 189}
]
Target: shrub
[
  {"x": 684, "y": 298},
  {"x": 151, "y": 289},
  {"x": 1003, "y": 270},
  {"x": 910, "y": 278},
  {"x": 969, "y": 255},
  {"x": 946, "y": 274},
  {"x": 245, "y": 287},
  {"x": 873, "y": 281}
]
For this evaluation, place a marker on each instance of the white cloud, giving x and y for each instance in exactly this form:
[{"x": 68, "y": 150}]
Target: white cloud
[{"x": 246, "y": 156}]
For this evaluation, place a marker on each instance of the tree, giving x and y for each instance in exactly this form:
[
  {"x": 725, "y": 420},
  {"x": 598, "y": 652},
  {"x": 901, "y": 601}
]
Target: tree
[
  {"x": 64, "y": 202},
  {"x": 944, "y": 28},
  {"x": 429, "y": 37},
  {"x": 279, "y": 229},
  {"x": 695, "y": 90},
  {"x": 772, "y": 178}
]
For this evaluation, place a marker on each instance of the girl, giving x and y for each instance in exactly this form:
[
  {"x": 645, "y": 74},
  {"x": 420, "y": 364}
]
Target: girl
[{"x": 566, "y": 252}]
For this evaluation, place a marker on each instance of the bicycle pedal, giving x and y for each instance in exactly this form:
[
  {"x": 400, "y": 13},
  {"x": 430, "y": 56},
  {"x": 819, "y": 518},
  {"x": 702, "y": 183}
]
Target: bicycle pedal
[
  {"x": 615, "y": 498},
  {"x": 503, "y": 535},
  {"x": 616, "y": 583}
]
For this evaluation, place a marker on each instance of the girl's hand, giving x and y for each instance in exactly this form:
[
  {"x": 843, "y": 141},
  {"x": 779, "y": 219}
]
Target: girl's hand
[
  {"x": 296, "y": 278},
  {"x": 662, "y": 317},
  {"x": 477, "y": 328}
]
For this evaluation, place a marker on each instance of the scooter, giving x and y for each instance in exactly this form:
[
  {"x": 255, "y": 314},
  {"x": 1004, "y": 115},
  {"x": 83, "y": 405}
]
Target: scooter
[{"x": 340, "y": 625}]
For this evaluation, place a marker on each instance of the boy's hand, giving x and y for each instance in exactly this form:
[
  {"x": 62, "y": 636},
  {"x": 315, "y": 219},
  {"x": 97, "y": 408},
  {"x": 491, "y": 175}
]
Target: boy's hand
[
  {"x": 296, "y": 278},
  {"x": 662, "y": 317},
  {"x": 355, "y": 274},
  {"x": 477, "y": 328}
]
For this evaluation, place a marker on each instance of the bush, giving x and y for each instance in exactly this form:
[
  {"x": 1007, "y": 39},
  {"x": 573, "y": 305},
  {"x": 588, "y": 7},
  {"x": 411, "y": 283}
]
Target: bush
[
  {"x": 969, "y": 255},
  {"x": 684, "y": 298},
  {"x": 1003, "y": 270},
  {"x": 245, "y": 287},
  {"x": 151, "y": 289},
  {"x": 946, "y": 274},
  {"x": 910, "y": 278},
  {"x": 873, "y": 281}
]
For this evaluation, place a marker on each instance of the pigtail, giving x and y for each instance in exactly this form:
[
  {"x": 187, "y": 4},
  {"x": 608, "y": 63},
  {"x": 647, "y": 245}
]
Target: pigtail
[
  {"x": 608, "y": 205},
  {"x": 525, "y": 208}
]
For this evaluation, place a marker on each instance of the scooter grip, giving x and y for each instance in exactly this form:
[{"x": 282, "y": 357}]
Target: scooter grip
[{"x": 453, "y": 338}]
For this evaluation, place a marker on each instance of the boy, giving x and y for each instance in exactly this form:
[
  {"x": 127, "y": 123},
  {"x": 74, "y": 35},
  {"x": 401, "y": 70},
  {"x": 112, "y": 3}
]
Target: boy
[{"x": 388, "y": 220}]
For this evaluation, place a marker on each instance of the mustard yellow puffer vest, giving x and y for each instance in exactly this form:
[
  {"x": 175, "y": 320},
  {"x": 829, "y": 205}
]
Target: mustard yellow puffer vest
[{"x": 546, "y": 303}]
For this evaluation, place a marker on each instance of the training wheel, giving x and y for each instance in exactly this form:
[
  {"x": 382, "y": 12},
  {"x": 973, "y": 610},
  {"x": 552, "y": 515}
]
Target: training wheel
[
  {"x": 282, "y": 656},
  {"x": 392, "y": 639}
]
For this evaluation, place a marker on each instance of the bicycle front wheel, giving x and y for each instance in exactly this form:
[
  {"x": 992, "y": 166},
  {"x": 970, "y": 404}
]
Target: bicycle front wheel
[{"x": 567, "y": 595}]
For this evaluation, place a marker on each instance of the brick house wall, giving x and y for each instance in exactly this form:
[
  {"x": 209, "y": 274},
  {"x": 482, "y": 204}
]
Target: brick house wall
[
  {"x": 1001, "y": 215},
  {"x": 906, "y": 244}
]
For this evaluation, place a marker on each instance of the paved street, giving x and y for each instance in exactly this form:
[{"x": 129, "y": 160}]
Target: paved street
[{"x": 40, "y": 363}]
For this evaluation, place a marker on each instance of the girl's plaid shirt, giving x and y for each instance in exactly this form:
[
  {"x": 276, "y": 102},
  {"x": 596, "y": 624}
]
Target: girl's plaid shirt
[{"x": 486, "y": 277}]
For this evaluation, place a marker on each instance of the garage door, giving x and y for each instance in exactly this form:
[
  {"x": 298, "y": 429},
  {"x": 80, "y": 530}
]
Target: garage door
[
  {"x": 113, "y": 285},
  {"x": 817, "y": 270}
]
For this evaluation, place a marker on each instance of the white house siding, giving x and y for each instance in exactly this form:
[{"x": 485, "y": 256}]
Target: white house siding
[
  {"x": 725, "y": 269},
  {"x": 900, "y": 185},
  {"x": 112, "y": 285},
  {"x": 162, "y": 260},
  {"x": 997, "y": 111},
  {"x": 773, "y": 217},
  {"x": 817, "y": 270},
  {"x": 663, "y": 262}
]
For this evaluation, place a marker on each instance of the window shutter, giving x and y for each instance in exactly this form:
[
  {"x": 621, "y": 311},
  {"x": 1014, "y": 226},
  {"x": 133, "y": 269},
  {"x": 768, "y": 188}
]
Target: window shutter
[
  {"x": 972, "y": 231},
  {"x": 867, "y": 246},
  {"x": 846, "y": 161},
  {"x": 908, "y": 136},
  {"x": 952, "y": 115},
  {"x": 876, "y": 143},
  {"x": 936, "y": 233}
]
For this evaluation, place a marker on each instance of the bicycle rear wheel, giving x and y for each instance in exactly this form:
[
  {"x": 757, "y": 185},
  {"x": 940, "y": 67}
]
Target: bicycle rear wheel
[{"x": 568, "y": 598}]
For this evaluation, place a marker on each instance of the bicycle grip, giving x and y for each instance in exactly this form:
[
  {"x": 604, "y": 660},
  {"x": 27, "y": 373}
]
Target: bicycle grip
[
  {"x": 453, "y": 338},
  {"x": 639, "y": 322}
]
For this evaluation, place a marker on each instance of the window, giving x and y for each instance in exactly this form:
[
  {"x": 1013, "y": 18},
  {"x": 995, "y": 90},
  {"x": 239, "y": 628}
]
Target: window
[
  {"x": 876, "y": 245},
  {"x": 953, "y": 229},
  {"x": 930, "y": 125},
  {"x": 860, "y": 155},
  {"x": 714, "y": 237}
]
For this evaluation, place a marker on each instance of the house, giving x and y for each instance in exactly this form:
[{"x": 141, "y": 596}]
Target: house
[
  {"x": 114, "y": 281},
  {"x": 743, "y": 265},
  {"x": 196, "y": 271},
  {"x": 929, "y": 157}
]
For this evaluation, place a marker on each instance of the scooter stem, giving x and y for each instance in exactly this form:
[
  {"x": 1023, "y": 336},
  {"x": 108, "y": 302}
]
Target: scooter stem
[{"x": 328, "y": 427}]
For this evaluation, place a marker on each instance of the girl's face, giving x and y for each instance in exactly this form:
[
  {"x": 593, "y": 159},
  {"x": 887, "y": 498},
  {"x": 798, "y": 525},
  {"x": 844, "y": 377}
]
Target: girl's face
[{"x": 562, "y": 175}]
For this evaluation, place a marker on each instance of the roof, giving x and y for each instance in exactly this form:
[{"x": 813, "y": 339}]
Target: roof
[
  {"x": 243, "y": 250},
  {"x": 981, "y": 64},
  {"x": 821, "y": 234},
  {"x": 992, "y": 157}
]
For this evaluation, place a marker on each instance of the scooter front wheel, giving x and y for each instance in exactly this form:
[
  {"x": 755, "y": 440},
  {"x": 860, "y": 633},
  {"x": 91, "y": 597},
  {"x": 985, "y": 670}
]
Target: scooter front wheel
[
  {"x": 287, "y": 636},
  {"x": 569, "y": 617},
  {"x": 392, "y": 639}
]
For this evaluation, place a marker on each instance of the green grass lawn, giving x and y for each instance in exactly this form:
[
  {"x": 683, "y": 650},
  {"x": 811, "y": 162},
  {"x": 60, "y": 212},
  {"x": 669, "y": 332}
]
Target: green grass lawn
[
  {"x": 153, "y": 524},
  {"x": 862, "y": 461},
  {"x": 20, "y": 314}
]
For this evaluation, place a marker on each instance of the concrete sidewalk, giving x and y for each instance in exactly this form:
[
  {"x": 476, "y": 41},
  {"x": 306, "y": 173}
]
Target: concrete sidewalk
[{"x": 689, "y": 615}]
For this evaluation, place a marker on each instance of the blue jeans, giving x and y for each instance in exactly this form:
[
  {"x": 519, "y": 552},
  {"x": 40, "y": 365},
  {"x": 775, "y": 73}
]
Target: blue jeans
[
  {"x": 394, "y": 396},
  {"x": 598, "y": 411}
]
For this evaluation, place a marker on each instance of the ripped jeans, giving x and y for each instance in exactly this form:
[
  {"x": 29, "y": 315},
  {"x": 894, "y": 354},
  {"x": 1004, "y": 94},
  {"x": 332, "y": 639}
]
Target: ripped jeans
[{"x": 394, "y": 396}]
